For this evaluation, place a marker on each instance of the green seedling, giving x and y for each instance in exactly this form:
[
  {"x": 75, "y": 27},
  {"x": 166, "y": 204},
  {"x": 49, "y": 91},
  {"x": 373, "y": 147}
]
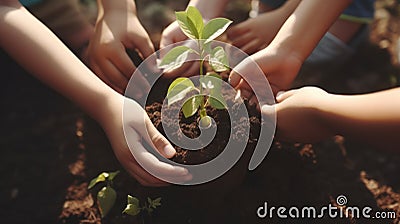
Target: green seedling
[
  {"x": 192, "y": 25},
  {"x": 106, "y": 196},
  {"x": 133, "y": 207}
]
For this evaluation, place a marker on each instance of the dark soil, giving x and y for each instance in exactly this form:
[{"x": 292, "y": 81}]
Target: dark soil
[{"x": 189, "y": 127}]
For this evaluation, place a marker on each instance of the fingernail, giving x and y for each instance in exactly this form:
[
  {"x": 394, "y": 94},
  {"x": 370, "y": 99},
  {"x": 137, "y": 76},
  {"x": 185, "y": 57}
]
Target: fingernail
[{"x": 169, "y": 151}]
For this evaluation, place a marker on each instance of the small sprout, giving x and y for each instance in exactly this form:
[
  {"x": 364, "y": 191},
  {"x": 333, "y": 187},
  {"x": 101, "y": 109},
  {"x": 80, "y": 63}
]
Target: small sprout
[
  {"x": 107, "y": 196},
  {"x": 133, "y": 206},
  {"x": 192, "y": 25}
]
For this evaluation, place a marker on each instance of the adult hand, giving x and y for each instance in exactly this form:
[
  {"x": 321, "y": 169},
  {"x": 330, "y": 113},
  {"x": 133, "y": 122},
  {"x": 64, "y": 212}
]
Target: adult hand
[{"x": 107, "y": 49}]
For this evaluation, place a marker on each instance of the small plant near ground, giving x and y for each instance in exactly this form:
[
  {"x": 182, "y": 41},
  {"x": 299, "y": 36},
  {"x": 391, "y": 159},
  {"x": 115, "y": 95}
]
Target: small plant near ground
[
  {"x": 106, "y": 196},
  {"x": 192, "y": 24},
  {"x": 133, "y": 207}
]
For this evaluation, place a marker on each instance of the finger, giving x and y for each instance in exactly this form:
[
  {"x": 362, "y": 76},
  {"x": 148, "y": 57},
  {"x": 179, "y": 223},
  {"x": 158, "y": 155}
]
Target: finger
[
  {"x": 251, "y": 47},
  {"x": 96, "y": 69},
  {"x": 140, "y": 85},
  {"x": 237, "y": 30},
  {"x": 156, "y": 167},
  {"x": 281, "y": 96},
  {"x": 123, "y": 62},
  {"x": 144, "y": 178},
  {"x": 159, "y": 141},
  {"x": 243, "y": 39},
  {"x": 243, "y": 68},
  {"x": 145, "y": 47},
  {"x": 234, "y": 78},
  {"x": 149, "y": 161},
  {"x": 268, "y": 110},
  {"x": 114, "y": 75}
]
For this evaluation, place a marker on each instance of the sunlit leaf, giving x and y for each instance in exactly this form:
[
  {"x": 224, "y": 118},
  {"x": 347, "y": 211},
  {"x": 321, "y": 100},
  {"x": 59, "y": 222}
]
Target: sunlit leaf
[
  {"x": 100, "y": 178},
  {"x": 187, "y": 25},
  {"x": 178, "y": 89},
  {"x": 175, "y": 58},
  {"x": 132, "y": 208},
  {"x": 217, "y": 101},
  {"x": 195, "y": 17},
  {"x": 106, "y": 199},
  {"x": 112, "y": 175},
  {"x": 214, "y": 28},
  {"x": 219, "y": 59},
  {"x": 191, "y": 106}
]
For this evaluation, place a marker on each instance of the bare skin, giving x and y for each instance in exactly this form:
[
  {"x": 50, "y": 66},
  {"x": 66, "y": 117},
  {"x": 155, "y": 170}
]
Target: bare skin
[
  {"x": 26, "y": 38},
  {"x": 310, "y": 114}
]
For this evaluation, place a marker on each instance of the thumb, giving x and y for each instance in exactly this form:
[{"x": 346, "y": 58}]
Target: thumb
[{"x": 160, "y": 143}]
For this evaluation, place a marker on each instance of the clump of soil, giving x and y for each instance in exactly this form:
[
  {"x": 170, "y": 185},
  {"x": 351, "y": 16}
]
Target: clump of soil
[{"x": 189, "y": 127}]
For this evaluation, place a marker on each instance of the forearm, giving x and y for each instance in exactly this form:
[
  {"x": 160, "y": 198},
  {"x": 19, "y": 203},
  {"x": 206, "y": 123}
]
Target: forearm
[
  {"x": 209, "y": 8},
  {"x": 39, "y": 51},
  {"x": 374, "y": 118},
  {"x": 306, "y": 26}
]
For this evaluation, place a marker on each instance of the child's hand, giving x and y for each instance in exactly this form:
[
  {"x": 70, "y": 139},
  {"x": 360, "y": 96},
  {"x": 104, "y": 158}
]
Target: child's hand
[
  {"x": 256, "y": 33},
  {"x": 299, "y": 115},
  {"x": 172, "y": 34},
  {"x": 279, "y": 66},
  {"x": 137, "y": 126},
  {"x": 107, "y": 49}
]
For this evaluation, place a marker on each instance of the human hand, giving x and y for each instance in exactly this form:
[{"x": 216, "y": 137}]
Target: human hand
[
  {"x": 300, "y": 115},
  {"x": 107, "y": 49},
  {"x": 137, "y": 125},
  {"x": 173, "y": 35},
  {"x": 280, "y": 66},
  {"x": 256, "y": 33}
]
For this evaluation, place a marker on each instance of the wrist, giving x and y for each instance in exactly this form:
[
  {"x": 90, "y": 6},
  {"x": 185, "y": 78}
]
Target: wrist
[{"x": 325, "y": 110}]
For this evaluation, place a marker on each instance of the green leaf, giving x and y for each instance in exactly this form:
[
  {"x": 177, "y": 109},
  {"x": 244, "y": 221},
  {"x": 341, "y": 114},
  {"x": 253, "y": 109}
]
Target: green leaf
[
  {"x": 175, "y": 58},
  {"x": 195, "y": 17},
  {"x": 211, "y": 81},
  {"x": 214, "y": 28},
  {"x": 133, "y": 200},
  {"x": 219, "y": 60},
  {"x": 106, "y": 199},
  {"x": 100, "y": 178},
  {"x": 217, "y": 102},
  {"x": 112, "y": 175},
  {"x": 187, "y": 25},
  {"x": 178, "y": 89},
  {"x": 157, "y": 202},
  {"x": 215, "y": 98},
  {"x": 132, "y": 208},
  {"x": 191, "y": 106}
]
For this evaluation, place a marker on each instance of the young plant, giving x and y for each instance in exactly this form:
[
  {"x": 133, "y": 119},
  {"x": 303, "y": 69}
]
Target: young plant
[
  {"x": 133, "y": 207},
  {"x": 192, "y": 25},
  {"x": 106, "y": 196}
]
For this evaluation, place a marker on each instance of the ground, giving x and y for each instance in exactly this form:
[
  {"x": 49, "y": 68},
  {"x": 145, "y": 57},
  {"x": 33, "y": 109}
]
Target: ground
[{"x": 51, "y": 150}]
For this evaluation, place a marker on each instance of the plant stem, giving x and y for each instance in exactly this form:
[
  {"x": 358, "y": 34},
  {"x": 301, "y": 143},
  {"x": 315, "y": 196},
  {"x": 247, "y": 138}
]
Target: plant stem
[{"x": 202, "y": 111}]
